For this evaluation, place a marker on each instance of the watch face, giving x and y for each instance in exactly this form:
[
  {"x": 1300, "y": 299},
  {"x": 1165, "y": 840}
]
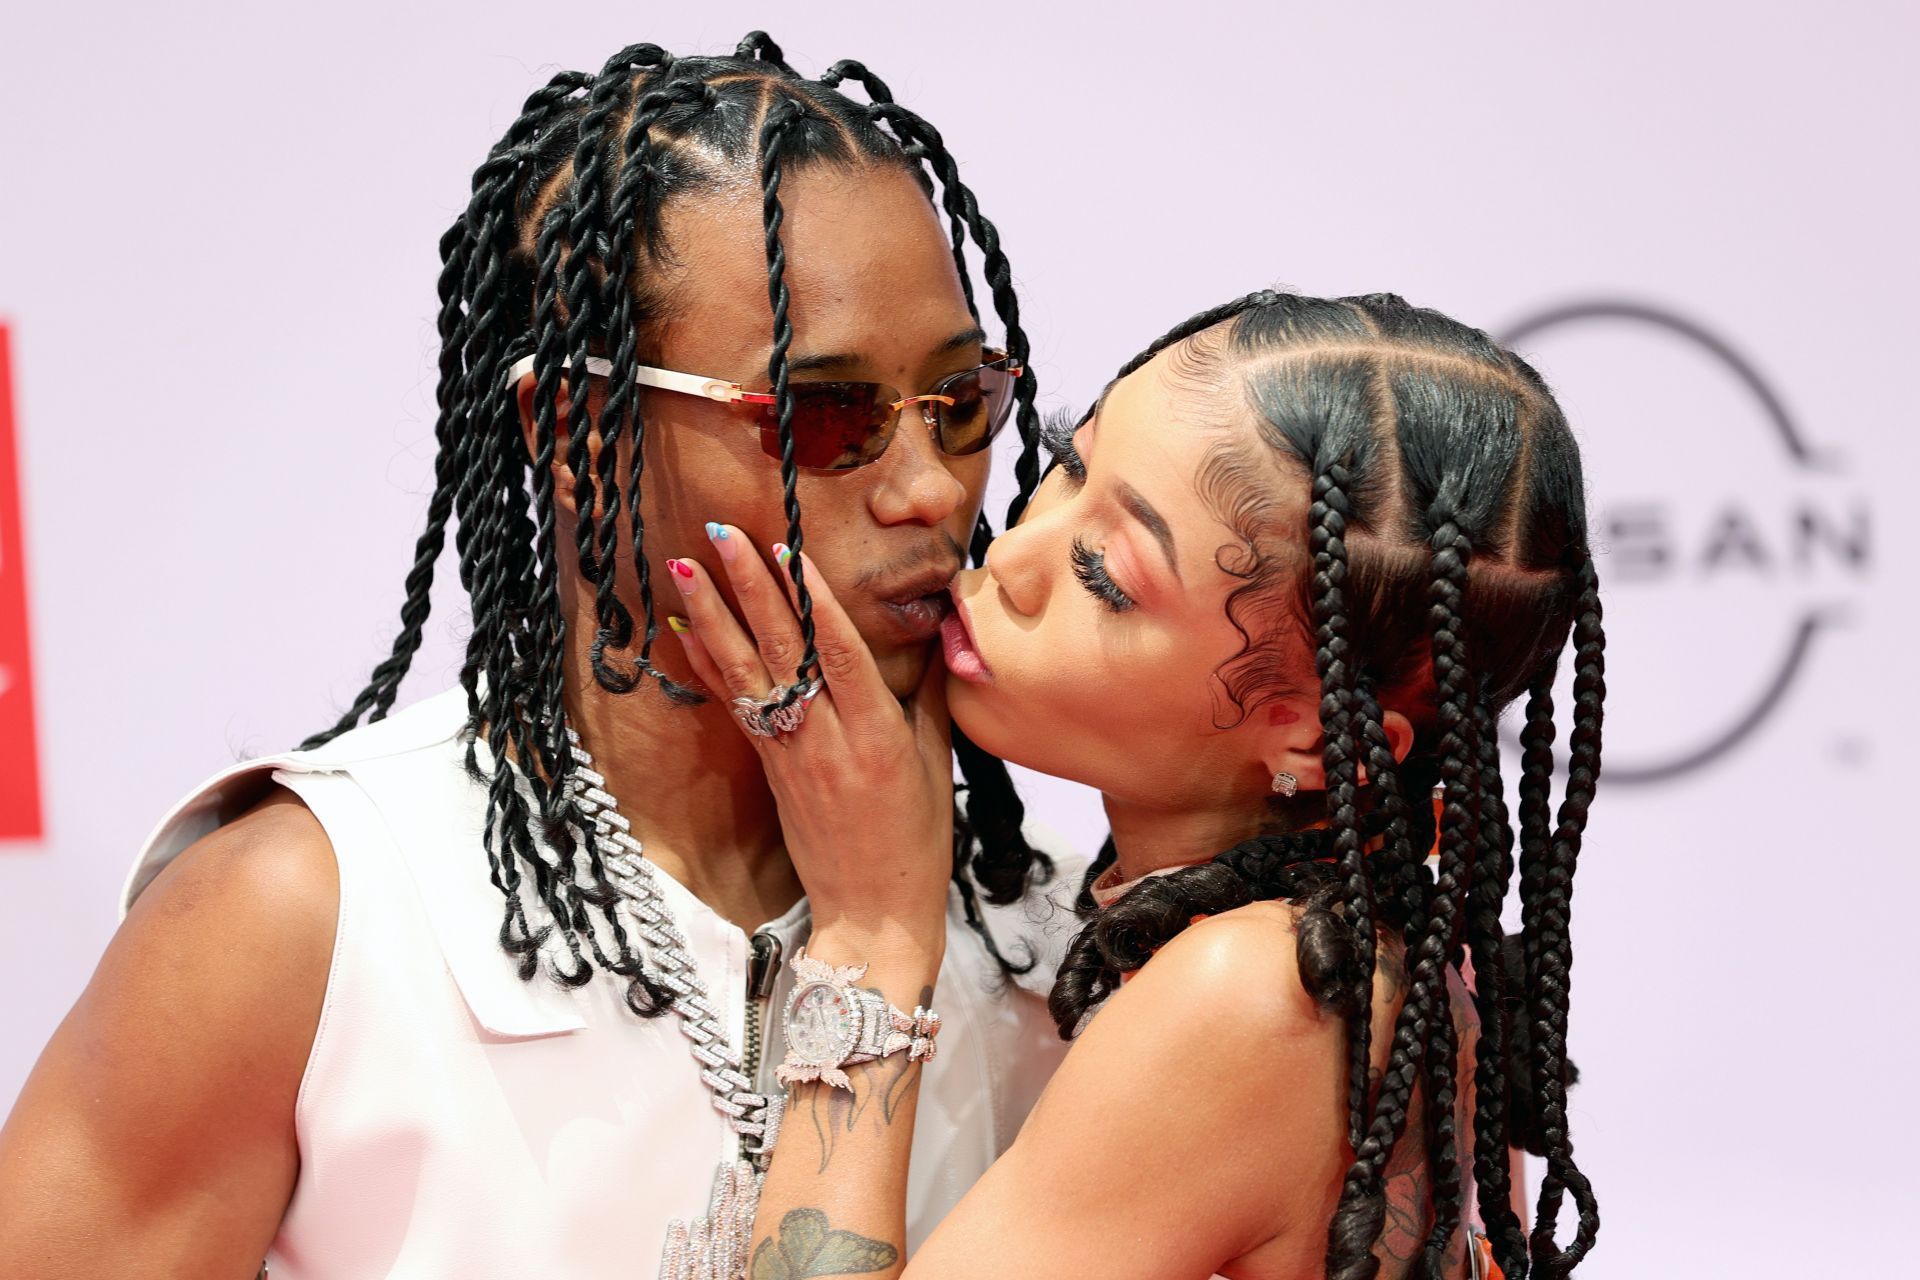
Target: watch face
[{"x": 822, "y": 1023}]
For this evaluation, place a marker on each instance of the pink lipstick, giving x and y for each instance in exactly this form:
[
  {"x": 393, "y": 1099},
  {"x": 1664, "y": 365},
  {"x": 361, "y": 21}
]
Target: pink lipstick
[{"x": 957, "y": 644}]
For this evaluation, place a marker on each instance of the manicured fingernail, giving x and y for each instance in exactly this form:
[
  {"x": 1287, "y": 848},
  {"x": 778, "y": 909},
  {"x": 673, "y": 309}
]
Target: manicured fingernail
[
  {"x": 677, "y": 624},
  {"x": 782, "y": 552},
  {"x": 682, "y": 576},
  {"x": 722, "y": 539}
]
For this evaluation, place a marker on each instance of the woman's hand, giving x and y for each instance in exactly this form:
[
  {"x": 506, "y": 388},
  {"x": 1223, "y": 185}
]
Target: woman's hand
[{"x": 864, "y": 786}]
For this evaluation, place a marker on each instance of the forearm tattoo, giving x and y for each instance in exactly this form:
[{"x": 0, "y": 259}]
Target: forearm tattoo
[{"x": 893, "y": 1080}]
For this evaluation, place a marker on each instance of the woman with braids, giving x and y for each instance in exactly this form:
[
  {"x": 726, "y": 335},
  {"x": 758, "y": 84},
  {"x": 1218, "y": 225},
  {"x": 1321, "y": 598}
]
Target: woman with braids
[
  {"x": 481, "y": 989},
  {"x": 1272, "y": 601}
]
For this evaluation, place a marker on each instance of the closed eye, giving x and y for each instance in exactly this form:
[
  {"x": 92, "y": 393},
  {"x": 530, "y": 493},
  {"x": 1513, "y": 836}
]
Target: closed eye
[{"x": 1090, "y": 567}]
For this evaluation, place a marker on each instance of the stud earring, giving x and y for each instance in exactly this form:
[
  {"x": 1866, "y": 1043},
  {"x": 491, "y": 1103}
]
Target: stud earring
[{"x": 1285, "y": 784}]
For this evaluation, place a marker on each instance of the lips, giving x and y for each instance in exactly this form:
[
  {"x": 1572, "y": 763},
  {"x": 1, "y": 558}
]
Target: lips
[
  {"x": 918, "y": 605},
  {"x": 958, "y": 647}
]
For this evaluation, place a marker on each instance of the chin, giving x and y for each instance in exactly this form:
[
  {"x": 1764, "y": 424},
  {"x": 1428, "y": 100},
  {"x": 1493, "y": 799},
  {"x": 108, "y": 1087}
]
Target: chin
[
  {"x": 902, "y": 670},
  {"x": 974, "y": 716}
]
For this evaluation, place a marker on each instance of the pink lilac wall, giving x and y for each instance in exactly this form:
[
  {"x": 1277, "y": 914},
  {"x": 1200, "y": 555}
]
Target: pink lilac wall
[{"x": 217, "y": 231}]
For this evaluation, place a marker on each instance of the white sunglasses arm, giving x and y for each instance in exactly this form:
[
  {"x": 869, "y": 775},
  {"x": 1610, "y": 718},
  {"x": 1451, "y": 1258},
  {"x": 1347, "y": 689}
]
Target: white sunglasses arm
[{"x": 663, "y": 379}]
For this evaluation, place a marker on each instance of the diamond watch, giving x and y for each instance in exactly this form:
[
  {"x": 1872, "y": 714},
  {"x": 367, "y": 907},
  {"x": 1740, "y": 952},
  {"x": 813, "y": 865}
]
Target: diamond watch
[{"x": 831, "y": 1024}]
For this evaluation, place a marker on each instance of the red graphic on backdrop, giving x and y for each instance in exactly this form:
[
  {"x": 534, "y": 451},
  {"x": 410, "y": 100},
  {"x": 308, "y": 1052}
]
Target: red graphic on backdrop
[{"x": 19, "y": 750}]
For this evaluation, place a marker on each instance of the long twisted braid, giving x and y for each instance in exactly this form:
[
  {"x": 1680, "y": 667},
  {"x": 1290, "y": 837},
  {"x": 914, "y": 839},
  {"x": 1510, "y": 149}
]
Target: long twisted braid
[
  {"x": 881, "y": 96},
  {"x": 460, "y": 245},
  {"x": 963, "y": 208},
  {"x": 586, "y": 299},
  {"x": 554, "y": 257},
  {"x": 773, "y": 133},
  {"x": 992, "y": 848},
  {"x": 1446, "y": 566},
  {"x": 623, "y": 321}
]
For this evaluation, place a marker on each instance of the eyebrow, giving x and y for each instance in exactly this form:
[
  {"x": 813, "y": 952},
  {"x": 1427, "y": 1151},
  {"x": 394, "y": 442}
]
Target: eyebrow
[
  {"x": 1136, "y": 505},
  {"x": 1142, "y": 510},
  {"x": 833, "y": 362}
]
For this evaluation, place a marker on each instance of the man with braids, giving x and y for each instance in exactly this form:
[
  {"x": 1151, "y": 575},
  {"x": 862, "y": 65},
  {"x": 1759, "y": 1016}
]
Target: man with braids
[
  {"x": 1276, "y": 593},
  {"x": 482, "y": 988}
]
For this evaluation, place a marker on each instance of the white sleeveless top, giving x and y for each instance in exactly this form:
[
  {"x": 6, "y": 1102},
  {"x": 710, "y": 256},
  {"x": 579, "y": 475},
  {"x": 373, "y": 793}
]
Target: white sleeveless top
[{"x": 454, "y": 1121}]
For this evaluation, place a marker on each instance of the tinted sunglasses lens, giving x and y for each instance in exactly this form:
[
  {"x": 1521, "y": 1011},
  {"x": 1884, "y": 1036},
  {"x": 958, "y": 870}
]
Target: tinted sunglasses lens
[
  {"x": 836, "y": 425},
  {"x": 981, "y": 400}
]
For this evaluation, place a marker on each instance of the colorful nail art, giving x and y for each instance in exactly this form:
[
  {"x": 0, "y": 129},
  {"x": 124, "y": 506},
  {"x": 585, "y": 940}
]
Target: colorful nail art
[
  {"x": 718, "y": 532},
  {"x": 682, "y": 575},
  {"x": 782, "y": 552},
  {"x": 723, "y": 541},
  {"x": 677, "y": 624}
]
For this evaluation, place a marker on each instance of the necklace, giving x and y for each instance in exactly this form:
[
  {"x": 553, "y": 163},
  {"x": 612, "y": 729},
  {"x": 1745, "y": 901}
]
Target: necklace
[{"x": 713, "y": 1247}]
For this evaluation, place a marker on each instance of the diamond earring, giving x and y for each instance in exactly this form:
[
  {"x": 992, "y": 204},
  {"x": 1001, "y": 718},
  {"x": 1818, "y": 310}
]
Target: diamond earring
[{"x": 1285, "y": 784}]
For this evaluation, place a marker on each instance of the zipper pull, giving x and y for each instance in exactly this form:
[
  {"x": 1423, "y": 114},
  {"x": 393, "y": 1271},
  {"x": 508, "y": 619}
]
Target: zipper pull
[{"x": 763, "y": 966}]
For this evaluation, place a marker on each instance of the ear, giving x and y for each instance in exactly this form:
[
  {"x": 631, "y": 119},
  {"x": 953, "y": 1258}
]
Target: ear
[
  {"x": 1288, "y": 734},
  {"x": 529, "y": 435},
  {"x": 1291, "y": 742},
  {"x": 1399, "y": 731}
]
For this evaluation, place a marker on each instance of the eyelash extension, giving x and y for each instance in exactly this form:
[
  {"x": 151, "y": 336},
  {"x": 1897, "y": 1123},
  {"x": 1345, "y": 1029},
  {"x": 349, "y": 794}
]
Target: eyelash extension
[
  {"x": 1056, "y": 437},
  {"x": 1090, "y": 567}
]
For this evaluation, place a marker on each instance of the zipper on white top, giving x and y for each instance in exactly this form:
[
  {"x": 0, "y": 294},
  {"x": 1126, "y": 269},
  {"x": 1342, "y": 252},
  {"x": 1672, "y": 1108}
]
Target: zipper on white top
[{"x": 763, "y": 968}]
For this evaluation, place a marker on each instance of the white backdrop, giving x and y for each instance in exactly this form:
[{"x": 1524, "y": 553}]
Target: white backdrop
[{"x": 217, "y": 254}]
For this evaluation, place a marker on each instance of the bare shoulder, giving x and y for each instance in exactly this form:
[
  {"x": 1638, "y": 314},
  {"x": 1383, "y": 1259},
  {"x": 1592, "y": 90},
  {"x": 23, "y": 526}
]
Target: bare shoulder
[
  {"x": 1238, "y": 972},
  {"x": 1219, "y": 1023},
  {"x": 270, "y": 871},
  {"x": 235, "y": 939},
  {"x": 164, "y": 1105},
  {"x": 1202, "y": 1104},
  {"x": 224, "y": 957}
]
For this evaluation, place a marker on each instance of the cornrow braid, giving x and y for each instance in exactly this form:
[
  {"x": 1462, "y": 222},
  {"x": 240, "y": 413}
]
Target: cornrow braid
[
  {"x": 1486, "y": 944},
  {"x": 1459, "y": 840},
  {"x": 1535, "y": 837},
  {"x": 1536, "y": 800},
  {"x": 1333, "y": 660},
  {"x": 1423, "y": 1047},
  {"x": 1394, "y": 867},
  {"x": 1548, "y": 985}
]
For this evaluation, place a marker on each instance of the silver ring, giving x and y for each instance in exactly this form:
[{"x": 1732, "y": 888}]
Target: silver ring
[{"x": 766, "y": 718}]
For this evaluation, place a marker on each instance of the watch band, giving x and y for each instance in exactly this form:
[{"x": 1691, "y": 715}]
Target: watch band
[{"x": 831, "y": 1024}]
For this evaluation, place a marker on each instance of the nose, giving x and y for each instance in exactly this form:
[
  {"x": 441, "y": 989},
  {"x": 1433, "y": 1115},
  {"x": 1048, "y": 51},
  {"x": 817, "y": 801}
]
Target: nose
[
  {"x": 1019, "y": 561},
  {"x": 915, "y": 483}
]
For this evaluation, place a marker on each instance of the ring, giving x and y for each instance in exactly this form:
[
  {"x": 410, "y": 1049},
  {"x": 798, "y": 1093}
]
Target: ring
[{"x": 766, "y": 718}]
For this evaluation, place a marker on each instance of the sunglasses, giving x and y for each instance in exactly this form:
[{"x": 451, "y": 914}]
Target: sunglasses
[{"x": 839, "y": 426}]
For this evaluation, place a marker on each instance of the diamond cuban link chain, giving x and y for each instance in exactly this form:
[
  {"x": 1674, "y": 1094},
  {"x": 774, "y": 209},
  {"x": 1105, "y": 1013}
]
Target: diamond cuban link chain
[{"x": 713, "y": 1247}]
